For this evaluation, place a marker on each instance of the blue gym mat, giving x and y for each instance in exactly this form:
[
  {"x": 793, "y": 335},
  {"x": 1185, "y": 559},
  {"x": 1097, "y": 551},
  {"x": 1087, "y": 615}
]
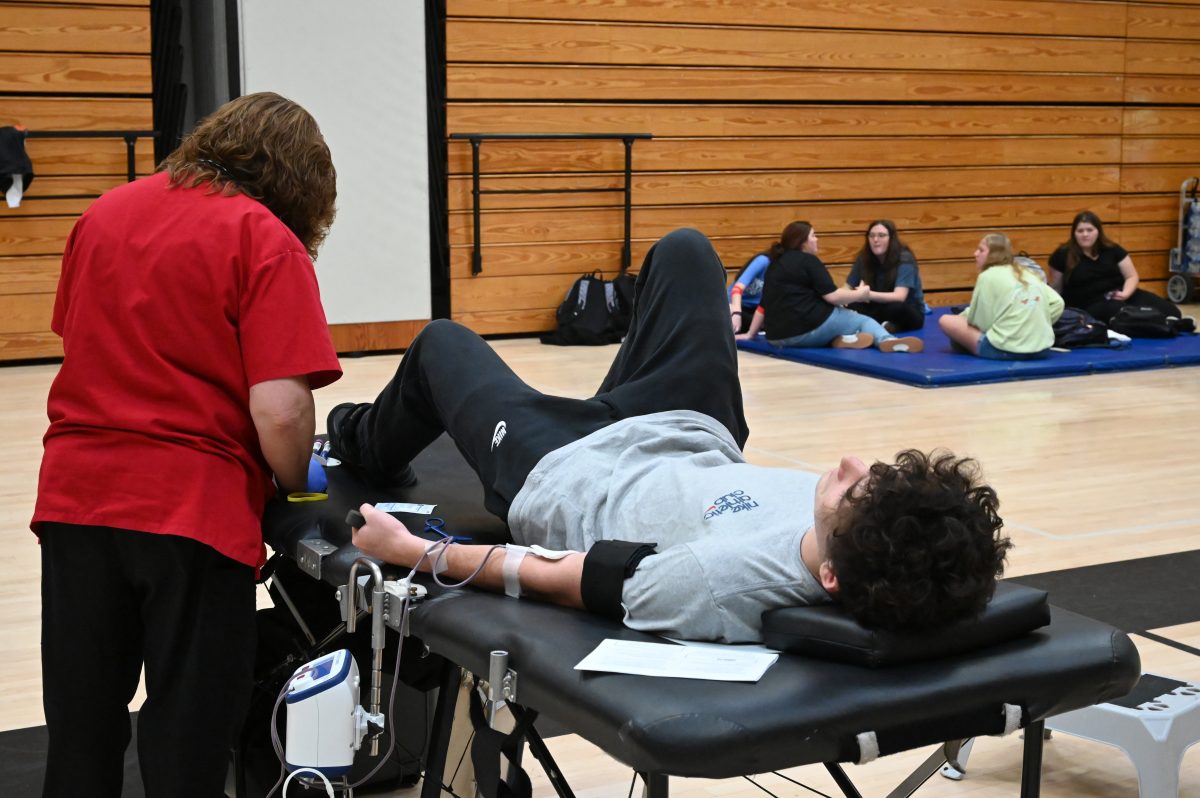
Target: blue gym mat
[{"x": 940, "y": 365}]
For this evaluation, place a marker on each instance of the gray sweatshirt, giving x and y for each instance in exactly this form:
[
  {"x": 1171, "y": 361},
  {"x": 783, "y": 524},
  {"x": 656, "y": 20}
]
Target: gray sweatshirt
[{"x": 728, "y": 532}]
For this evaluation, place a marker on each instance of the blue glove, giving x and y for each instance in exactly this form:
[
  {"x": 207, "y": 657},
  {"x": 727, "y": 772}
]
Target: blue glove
[{"x": 317, "y": 481}]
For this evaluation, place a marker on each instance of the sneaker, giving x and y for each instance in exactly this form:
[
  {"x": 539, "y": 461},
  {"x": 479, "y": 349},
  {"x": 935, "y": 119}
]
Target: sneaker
[
  {"x": 891, "y": 328},
  {"x": 908, "y": 343},
  {"x": 855, "y": 341},
  {"x": 341, "y": 427}
]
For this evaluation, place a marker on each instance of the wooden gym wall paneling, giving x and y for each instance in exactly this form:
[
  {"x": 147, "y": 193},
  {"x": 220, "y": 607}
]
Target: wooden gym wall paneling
[
  {"x": 1160, "y": 145},
  {"x": 952, "y": 117},
  {"x": 65, "y": 67}
]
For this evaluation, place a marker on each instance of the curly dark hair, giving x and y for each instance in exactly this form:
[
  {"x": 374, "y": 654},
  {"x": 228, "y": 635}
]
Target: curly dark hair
[
  {"x": 268, "y": 148},
  {"x": 917, "y": 544}
]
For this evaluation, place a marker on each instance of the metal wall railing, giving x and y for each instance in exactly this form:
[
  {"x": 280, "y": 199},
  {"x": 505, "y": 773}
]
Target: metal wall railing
[{"x": 477, "y": 139}]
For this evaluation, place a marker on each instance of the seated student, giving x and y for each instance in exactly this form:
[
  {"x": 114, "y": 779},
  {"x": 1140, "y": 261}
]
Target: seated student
[
  {"x": 746, "y": 291},
  {"x": 753, "y": 276},
  {"x": 749, "y": 283},
  {"x": 888, "y": 266},
  {"x": 655, "y": 458},
  {"x": 1012, "y": 312},
  {"x": 1095, "y": 274},
  {"x": 802, "y": 307}
]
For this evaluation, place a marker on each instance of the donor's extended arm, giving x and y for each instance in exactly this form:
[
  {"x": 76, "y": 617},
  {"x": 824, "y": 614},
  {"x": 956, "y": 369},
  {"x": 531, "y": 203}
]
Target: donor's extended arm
[{"x": 554, "y": 581}]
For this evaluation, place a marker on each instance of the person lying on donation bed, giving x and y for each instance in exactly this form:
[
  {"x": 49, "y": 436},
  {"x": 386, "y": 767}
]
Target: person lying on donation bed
[
  {"x": 746, "y": 291},
  {"x": 802, "y": 307},
  {"x": 655, "y": 459},
  {"x": 888, "y": 266},
  {"x": 1012, "y": 312},
  {"x": 1095, "y": 274}
]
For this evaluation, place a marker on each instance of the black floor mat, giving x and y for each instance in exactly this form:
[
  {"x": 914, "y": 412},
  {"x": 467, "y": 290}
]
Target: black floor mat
[
  {"x": 1134, "y": 595},
  {"x": 23, "y": 764}
]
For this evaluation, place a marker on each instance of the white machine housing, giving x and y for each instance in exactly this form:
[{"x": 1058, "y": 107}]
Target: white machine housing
[{"x": 325, "y": 724}]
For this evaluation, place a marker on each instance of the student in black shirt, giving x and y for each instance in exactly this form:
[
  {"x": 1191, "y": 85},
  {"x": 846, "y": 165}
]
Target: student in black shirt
[
  {"x": 1095, "y": 274},
  {"x": 801, "y": 306}
]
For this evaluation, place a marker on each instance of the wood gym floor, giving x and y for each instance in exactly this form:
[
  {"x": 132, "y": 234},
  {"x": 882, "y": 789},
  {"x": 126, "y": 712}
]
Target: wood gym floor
[{"x": 1090, "y": 470}]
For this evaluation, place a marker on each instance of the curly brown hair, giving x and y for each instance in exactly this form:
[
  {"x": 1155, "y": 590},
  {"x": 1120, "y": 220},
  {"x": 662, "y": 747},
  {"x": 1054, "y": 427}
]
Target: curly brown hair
[
  {"x": 270, "y": 149},
  {"x": 918, "y": 544}
]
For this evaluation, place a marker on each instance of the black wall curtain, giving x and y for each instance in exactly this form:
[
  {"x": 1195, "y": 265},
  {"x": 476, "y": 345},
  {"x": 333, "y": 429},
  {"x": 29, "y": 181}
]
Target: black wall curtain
[
  {"x": 195, "y": 64},
  {"x": 233, "y": 51},
  {"x": 166, "y": 69},
  {"x": 439, "y": 187}
]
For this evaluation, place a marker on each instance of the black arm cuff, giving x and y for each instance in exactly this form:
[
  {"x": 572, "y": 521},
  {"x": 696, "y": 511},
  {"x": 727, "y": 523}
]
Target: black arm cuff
[{"x": 606, "y": 566}]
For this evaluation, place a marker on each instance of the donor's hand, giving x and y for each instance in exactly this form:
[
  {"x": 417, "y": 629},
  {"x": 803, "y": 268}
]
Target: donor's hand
[{"x": 384, "y": 537}]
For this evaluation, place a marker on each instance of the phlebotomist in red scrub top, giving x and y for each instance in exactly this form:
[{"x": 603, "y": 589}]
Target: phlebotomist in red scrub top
[{"x": 194, "y": 336}]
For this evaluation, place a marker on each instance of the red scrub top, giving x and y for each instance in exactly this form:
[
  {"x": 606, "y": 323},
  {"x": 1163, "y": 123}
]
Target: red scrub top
[{"x": 172, "y": 302}]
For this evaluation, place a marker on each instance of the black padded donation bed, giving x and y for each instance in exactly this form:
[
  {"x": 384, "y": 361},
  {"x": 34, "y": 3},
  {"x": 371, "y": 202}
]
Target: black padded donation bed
[{"x": 854, "y": 696}]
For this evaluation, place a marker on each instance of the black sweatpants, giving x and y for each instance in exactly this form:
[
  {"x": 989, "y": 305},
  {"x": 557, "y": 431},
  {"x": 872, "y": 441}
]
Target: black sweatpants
[
  {"x": 111, "y": 600},
  {"x": 679, "y": 355},
  {"x": 1105, "y": 309},
  {"x": 904, "y": 316}
]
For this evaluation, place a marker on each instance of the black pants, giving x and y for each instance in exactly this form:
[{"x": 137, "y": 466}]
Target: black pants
[
  {"x": 1105, "y": 309},
  {"x": 111, "y": 600},
  {"x": 904, "y": 316},
  {"x": 679, "y": 355}
]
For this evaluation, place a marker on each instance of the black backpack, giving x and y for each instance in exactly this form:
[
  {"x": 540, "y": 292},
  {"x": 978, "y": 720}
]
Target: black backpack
[
  {"x": 595, "y": 312},
  {"x": 1139, "y": 322},
  {"x": 1076, "y": 329},
  {"x": 622, "y": 312}
]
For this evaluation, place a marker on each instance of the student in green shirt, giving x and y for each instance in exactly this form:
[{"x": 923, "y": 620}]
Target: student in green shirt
[{"x": 1012, "y": 311}]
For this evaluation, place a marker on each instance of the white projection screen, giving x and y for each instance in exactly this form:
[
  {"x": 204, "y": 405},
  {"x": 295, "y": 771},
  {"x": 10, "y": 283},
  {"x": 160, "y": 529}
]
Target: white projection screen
[{"x": 359, "y": 68}]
